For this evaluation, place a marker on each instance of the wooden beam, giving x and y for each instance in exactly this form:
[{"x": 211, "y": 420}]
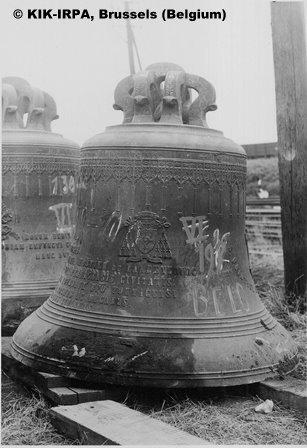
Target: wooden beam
[
  {"x": 111, "y": 423},
  {"x": 289, "y": 50},
  {"x": 58, "y": 389}
]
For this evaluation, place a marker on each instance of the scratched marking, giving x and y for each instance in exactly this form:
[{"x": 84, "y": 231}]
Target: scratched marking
[
  {"x": 80, "y": 353},
  {"x": 113, "y": 225},
  {"x": 138, "y": 356}
]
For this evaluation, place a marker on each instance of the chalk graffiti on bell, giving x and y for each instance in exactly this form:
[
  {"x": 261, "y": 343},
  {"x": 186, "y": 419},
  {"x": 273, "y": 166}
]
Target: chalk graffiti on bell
[
  {"x": 195, "y": 228},
  {"x": 210, "y": 300},
  {"x": 63, "y": 185},
  {"x": 215, "y": 251},
  {"x": 207, "y": 292},
  {"x": 63, "y": 216}
]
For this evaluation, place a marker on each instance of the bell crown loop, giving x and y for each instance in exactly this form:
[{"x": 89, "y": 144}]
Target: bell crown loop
[
  {"x": 20, "y": 98},
  {"x": 162, "y": 94}
]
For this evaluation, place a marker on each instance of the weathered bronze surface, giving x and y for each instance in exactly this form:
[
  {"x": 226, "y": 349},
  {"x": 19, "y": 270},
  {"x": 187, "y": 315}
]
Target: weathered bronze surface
[
  {"x": 38, "y": 190},
  {"x": 157, "y": 290}
]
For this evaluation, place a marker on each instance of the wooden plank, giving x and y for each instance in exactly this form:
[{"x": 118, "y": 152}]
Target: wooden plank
[
  {"x": 50, "y": 380},
  {"x": 56, "y": 388},
  {"x": 289, "y": 50},
  {"x": 61, "y": 395},
  {"x": 100, "y": 422},
  {"x": 86, "y": 395}
]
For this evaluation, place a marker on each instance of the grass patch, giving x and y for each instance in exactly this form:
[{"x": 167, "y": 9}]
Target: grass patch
[
  {"x": 25, "y": 418},
  {"x": 268, "y": 274},
  {"x": 234, "y": 421},
  {"x": 221, "y": 415}
]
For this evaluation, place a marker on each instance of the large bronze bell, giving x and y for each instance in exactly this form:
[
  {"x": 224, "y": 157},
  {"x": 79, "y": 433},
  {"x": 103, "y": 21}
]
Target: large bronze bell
[
  {"x": 38, "y": 191},
  {"x": 157, "y": 289}
]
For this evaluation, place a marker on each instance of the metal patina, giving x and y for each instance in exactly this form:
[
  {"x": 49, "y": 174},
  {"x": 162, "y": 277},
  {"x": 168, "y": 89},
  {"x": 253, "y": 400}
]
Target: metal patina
[
  {"x": 157, "y": 289},
  {"x": 38, "y": 191}
]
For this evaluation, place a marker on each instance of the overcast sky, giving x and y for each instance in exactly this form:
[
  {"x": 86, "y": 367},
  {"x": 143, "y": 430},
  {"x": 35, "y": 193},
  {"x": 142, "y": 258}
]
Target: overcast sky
[{"x": 80, "y": 62}]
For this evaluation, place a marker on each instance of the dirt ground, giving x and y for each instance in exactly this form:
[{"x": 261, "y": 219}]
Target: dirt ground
[{"x": 219, "y": 416}]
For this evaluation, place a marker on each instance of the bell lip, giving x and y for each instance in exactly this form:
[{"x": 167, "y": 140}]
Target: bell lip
[
  {"x": 189, "y": 137},
  {"x": 147, "y": 378},
  {"x": 127, "y": 380},
  {"x": 36, "y": 137}
]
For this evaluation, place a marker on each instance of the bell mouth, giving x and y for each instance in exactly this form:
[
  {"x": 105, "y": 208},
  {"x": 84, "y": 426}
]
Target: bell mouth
[{"x": 154, "y": 361}]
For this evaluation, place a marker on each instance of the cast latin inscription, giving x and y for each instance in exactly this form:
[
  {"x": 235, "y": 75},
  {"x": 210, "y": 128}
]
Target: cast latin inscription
[
  {"x": 124, "y": 285},
  {"x": 113, "y": 287},
  {"x": 43, "y": 246}
]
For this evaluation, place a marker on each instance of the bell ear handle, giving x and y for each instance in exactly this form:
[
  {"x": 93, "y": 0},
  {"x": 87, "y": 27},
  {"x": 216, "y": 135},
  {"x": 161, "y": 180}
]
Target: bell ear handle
[
  {"x": 36, "y": 110},
  {"x": 24, "y": 96},
  {"x": 122, "y": 98},
  {"x": 50, "y": 111},
  {"x": 172, "y": 97},
  {"x": 204, "y": 103},
  {"x": 146, "y": 95},
  {"x": 9, "y": 107}
]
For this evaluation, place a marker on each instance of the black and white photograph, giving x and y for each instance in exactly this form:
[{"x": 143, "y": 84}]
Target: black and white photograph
[{"x": 154, "y": 222}]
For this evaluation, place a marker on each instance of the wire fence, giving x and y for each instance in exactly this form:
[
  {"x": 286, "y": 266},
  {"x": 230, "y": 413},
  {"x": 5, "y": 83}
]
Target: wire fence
[{"x": 263, "y": 230}]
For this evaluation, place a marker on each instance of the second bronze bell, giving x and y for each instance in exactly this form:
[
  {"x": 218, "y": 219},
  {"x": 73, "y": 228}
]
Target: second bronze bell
[
  {"x": 39, "y": 170},
  {"x": 157, "y": 290}
]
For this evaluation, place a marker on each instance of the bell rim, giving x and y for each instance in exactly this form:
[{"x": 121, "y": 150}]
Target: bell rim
[{"x": 142, "y": 378}]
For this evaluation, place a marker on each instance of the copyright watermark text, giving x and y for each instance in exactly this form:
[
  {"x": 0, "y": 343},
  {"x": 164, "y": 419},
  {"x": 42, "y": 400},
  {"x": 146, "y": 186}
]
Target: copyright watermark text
[{"x": 105, "y": 14}]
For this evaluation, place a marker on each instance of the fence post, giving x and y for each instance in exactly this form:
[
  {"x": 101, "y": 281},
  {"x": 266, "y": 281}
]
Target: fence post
[{"x": 289, "y": 51}]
